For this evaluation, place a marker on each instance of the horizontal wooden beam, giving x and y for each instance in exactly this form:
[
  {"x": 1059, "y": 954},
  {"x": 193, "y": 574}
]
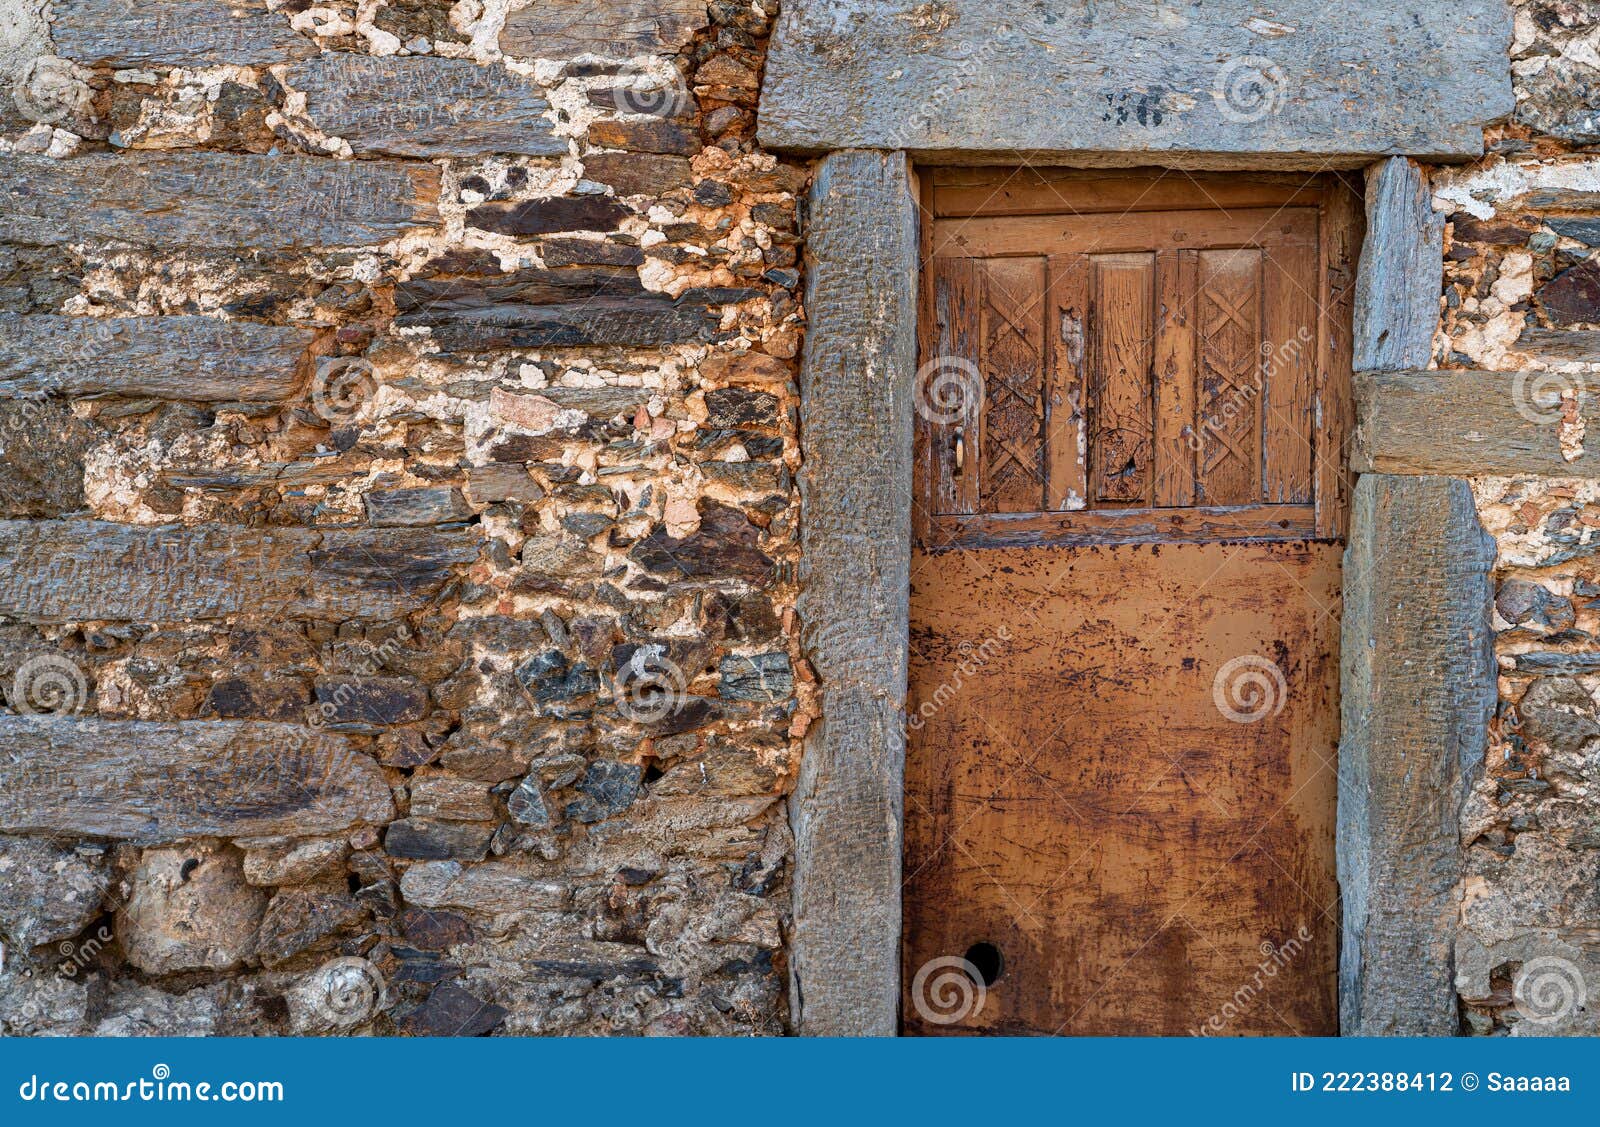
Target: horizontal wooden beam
[
  {"x": 153, "y": 781},
  {"x": 1471, "y": 423},
  {"x": 1300, "y": 84}
]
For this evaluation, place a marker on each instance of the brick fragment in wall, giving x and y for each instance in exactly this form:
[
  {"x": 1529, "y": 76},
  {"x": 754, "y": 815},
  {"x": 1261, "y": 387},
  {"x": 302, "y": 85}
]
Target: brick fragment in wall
[
  {"x": 425, "y": 107},
  {"x": 72, "y": 571},
  {"x": 200, "y": 359},
  {"x": 564, "y": 29},
  {"x": 220, "y": 200},
  {"x": 160, "y": 781},
  {"x": 174, "y": 33}
]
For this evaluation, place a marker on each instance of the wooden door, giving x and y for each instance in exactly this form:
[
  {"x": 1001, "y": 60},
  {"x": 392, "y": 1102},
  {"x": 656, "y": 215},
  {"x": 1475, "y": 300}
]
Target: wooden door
[{"x": 1123, "y": 710}]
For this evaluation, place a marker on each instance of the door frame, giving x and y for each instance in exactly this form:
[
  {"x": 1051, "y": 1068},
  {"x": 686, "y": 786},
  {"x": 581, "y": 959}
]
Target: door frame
[{"x": 1417, "y": 673}]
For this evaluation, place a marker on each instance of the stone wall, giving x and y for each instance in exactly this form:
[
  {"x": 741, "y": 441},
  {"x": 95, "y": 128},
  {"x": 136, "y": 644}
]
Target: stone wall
[
  {"x": 397, "y": 527},
  {"x": 1522, "y": 294},
  {"x": 397, "y": 532}
]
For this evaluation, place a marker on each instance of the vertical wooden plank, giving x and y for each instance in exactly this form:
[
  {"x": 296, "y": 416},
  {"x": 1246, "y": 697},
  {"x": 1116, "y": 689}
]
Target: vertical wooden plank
[
  {"x": 1120, "y": 420},
  {"x": 950, "y": 389},
  {"x": 923, "y": 455},
  {"x": 1012, "y": 468},
  {"x": 1175, "y": 436},
  {"x": 1342, "y": 225},
  {"x": 1289, "y": 362},
  {"x": 1229, "y": 311},
  {"x": 1417, "y": 690},
  {"x": 1066, "y": 439},
  {"x": 856, "y": 387}
]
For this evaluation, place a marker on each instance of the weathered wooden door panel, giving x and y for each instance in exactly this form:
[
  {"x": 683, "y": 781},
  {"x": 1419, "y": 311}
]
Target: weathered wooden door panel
[{"x": 1124, "y": 691}]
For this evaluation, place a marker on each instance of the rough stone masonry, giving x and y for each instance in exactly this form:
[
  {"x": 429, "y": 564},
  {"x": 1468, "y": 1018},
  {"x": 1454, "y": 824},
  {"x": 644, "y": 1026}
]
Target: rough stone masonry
[
  {"x": 397, "y": 527},
  {"x": 397, "y": 519}
]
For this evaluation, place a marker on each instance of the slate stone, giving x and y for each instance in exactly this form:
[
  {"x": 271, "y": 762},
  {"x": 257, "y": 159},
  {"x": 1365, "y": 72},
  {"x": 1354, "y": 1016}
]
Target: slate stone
[
  {"x": 1586, "y": 231},
  {"x": 451, "y": 1011},
  {"x": 299, "y": 918},
  {"x": 42, "y": 444},
  {"x": 738, "y": 408},
  {"x": 723, "y": 546},
  {"x": 1558, "y": 713},
  {"x": 638, "y": 174},
  {"x": 48, "y": 891},
  {"x": 607, "y": 788},
  {"x": 968, "y": 76},
  {"x": 72, "y": 571},
  {"x": 621, "y": 29},
  {"x": 528, "y": 805},
  {"x": 214, "y": 200},
  {"x": 428, "y": 839},
  {"x": 542, "y": 216},
  {"x": 589, "y": 252},
  {"x": 196, "y": 359},
  {"x": 416, "y": 507},
  {"x": 644, "y": 135},
  {"x": 1521, "y": 602},
  {"x": 1573, "y": 296},
  {"x": 434, "y": 931},
  {"x": 551, "y": 679},
  {"x": 258, "y": 697},
  {"x": 643, "y": 321},
  {"x": 426, "y": 106},
  {"x": 159, "y": 781},
  {"x": 760, "y": 677},
  {"x": 174, "y": 33},
  {"x": 369, "y": 704}
]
